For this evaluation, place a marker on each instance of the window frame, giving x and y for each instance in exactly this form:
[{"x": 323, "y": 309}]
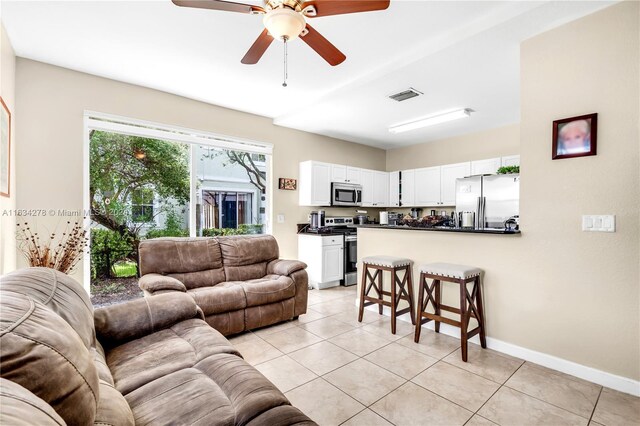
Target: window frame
[{"x": 93, "y": 120}]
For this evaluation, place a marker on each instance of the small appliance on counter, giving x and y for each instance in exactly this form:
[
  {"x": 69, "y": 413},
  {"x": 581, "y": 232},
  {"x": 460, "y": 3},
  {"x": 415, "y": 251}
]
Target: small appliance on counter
[
  {"x": 467, "y": 220},
  {"x": 316, "y": 223},
  {"x": 395, "y": 219},
  {"x": 361, "y": 217},
  {"x": 384, "y": 218},
  {"x": 416, "y": 213},
  {"x": 316, "y": 220}
]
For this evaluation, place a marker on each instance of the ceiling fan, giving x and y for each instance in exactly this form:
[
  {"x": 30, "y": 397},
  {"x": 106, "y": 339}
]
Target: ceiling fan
[{"x": 285, "y": 20}]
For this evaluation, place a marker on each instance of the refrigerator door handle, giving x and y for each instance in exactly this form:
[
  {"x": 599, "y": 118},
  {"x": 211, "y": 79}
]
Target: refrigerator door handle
[
  {"x": 484, "y": 212},
  {"x": 478, "y": 213}
]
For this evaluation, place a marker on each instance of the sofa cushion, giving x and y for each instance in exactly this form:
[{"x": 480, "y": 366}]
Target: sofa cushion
[
  {"x": 222, "y": 389},
  {"x": 284, "y": 415},
  {"x": 19, "y": 407},
  {"x": 113, "y": 409},
  {"x": 268, "y": 289},
  {"x": 246, "y": 272},
  {"x": 60, "y": 293},
  {"x": 41, "y": 352},
  {"x": 144, "y": 360},
  {"x": 248, "y": 249},
  {"x": 223, "y": 297},
  {"x": 195, "y": 262},
  {"x": 186, "y": 394}
]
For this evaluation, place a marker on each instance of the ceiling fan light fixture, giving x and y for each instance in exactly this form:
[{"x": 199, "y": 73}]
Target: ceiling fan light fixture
[
  {"x": 431, "y": 120},
  {"x": 284, "y": 23}
]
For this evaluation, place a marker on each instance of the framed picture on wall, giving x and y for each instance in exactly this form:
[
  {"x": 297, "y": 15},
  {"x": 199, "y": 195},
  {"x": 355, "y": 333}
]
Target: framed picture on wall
[
  {"x": 5, "y": 149},
  {"x": 575, "y": 136},
  {"x": 287, "y": 183}
]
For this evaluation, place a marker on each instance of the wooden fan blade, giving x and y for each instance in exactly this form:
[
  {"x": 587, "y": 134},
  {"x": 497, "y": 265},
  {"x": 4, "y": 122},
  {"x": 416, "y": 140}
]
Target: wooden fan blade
[
  {"x": 340, "y": 7},
  {"x": 226, "y": 6},
  {"x": 258, "y": 48},
  {"x": 323, "y": 47}
]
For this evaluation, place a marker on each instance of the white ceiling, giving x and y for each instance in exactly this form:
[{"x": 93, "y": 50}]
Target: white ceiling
[{"x": 460, "y": 54}]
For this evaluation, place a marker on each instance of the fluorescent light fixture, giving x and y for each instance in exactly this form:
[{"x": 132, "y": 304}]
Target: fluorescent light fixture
[{"x": 431, "y": 120}]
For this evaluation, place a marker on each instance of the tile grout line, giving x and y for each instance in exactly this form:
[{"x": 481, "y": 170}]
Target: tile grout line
[
  {"x": 595, "y": 405},
  {"x": 547, "y": 402},
  {"x": 497, "y": 390}
]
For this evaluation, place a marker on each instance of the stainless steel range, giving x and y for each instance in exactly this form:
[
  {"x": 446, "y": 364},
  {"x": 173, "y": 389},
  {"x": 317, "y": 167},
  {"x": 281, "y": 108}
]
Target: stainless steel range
[{"x": 340, "y": 225}]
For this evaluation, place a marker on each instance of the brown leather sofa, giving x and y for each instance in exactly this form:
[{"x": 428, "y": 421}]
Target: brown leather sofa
[
  {"x": 238, "y": 282},
  {"x": 152, "y": 361}
]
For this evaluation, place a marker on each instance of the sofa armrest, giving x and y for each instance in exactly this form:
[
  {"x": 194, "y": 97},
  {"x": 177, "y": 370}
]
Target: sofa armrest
[
  {"x": 285, "y": 267},
  {"x": 156, "y": 282},
  {"x": 118, "y": 324}
]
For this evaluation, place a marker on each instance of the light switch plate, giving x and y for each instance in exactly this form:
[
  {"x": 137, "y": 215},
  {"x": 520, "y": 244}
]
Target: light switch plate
[
  {"x": 280, "y": 218},
  {"x": 599, "y": 223}
]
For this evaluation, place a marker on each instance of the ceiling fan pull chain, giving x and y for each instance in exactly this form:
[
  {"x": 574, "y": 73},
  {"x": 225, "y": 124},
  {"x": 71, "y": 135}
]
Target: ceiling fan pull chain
[{"x": 284, "y": 84}]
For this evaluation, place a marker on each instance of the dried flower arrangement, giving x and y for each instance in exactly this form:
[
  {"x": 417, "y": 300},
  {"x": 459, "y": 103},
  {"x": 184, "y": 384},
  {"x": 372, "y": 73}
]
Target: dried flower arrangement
[{"x": 62, "y": 253}]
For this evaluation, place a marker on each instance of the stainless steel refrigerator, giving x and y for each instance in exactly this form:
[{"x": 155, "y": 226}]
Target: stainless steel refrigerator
[{"x": 493, "y": 198}]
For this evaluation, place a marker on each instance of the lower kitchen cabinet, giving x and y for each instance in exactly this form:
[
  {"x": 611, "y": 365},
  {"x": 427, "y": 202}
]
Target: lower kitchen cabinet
[{"x": 324, "y": 256}]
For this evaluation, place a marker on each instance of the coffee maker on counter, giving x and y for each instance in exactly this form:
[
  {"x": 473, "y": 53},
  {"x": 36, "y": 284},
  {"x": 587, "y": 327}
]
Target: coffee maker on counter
[{"x": 316, "y": 220}]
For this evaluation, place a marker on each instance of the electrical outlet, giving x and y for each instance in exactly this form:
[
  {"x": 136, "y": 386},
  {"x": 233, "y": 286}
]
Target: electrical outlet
[
  {"x": 599, "y": 223},
  {"x": 280, "y": 218}
]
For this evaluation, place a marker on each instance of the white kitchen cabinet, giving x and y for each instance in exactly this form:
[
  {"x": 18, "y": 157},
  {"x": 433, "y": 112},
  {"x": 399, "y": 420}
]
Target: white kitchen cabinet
[
  {"x": 408, "y": 188},
  {"x": 394, "y": 189},
  {"x": 427, "y": 186},
  {"x": 353, "y": 175},
  {"x": 511, "y": 160},
  {"x": 338, "y": 173},
  {"x": 381, "y": 189},
  {"x": 448, "y": 175},
  {"x": 486, "y": 167},
  {"x": 345, "y": 174},
  {"x": 368, "y": 187},
  {"x": 324, "y": 256},
  {"x": 314, "y": 184}
]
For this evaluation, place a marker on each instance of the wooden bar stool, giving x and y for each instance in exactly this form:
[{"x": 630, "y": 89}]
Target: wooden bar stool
[
  {"x": 470, "y": 303},
  {"x": 401, "y": 289}
]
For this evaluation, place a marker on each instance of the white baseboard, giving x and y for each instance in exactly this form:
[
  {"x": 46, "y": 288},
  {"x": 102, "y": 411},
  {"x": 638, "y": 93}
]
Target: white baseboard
[{"x": 619, "y": 383}]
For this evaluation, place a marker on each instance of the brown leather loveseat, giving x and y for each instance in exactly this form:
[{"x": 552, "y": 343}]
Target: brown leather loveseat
[
  {"x": 151, "y": 361},
  {"x": 238, "y": 282}
]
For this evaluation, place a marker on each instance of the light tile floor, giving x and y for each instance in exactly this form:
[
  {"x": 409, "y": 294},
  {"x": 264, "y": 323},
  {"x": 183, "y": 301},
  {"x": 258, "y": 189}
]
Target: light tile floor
[{"x": 340, "y": 371}]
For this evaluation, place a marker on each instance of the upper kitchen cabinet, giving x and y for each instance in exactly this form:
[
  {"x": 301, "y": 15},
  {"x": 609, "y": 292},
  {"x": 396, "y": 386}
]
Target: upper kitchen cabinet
[
  {"x": 511, "y": 160},
  {"x": 375, "y": 188},
  {"x": 427, "y": 186},
  {"x": 486, "y": 167},
  {"x": 394, "y": 189},
  {"x": 381, "y": 189},
  {"x": 315, "y": 184},
  {"x": 346, "y": 174},
  {"x": 408, "y": 188},
  {"x": 448, "y": 176},
  {"x": 368, "y": 184}
]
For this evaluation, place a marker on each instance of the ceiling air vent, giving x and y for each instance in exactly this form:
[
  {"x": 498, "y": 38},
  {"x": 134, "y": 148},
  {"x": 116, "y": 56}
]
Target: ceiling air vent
[{"x": 405, "y": 94}]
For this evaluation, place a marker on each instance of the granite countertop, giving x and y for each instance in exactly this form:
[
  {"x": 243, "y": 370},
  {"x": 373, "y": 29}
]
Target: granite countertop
[{"x": 498, "y": 231}]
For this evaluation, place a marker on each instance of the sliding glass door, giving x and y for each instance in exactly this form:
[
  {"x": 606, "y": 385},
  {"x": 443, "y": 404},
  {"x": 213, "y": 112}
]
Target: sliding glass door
[{"x": 143, "y": 187}]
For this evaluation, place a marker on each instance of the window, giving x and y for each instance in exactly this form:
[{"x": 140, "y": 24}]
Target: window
[
  {"x": 142, "y": 205},
  {"x": 145, "y": 180}
]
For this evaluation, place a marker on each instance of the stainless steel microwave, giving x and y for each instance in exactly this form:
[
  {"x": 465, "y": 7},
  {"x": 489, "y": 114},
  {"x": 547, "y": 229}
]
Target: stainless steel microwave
[{"x": 346, "y": 194}]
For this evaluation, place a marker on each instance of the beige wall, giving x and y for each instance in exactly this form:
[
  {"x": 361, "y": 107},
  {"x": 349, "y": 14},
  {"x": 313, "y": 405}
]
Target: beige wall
[
  {"x": 555, "y": 289},
  {"x": 8, "y": 204},
  {"x": 492, "y": 143},
  {"x": 50, "y": 156}
]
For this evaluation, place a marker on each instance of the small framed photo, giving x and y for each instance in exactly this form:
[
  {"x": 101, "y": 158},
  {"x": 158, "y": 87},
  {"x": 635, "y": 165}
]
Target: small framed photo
[
  {"x": 575, "y": 136},
  {"x": 288, "y": 184},
  {"x": 5, "y": 149}
]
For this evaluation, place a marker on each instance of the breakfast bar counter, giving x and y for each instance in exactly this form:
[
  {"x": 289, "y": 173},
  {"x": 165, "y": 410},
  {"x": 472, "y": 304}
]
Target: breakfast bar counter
[{"x": 498, "y": 231}]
